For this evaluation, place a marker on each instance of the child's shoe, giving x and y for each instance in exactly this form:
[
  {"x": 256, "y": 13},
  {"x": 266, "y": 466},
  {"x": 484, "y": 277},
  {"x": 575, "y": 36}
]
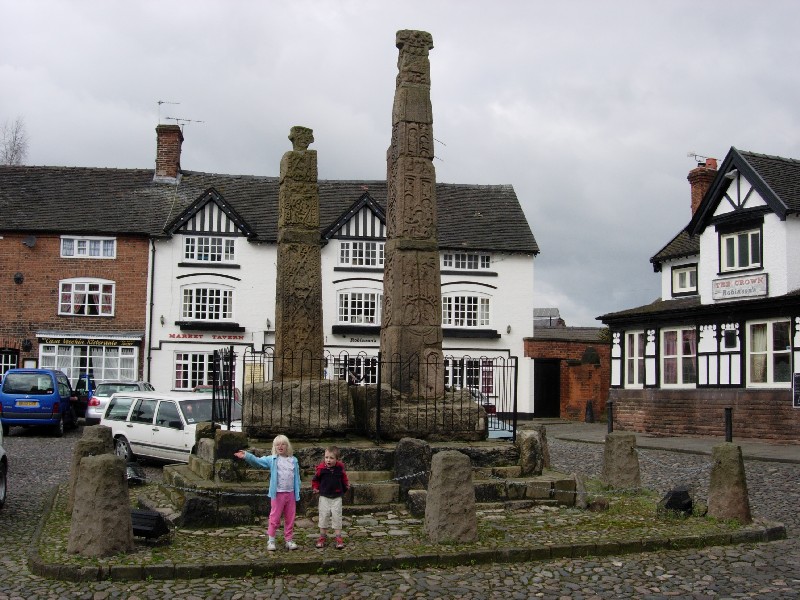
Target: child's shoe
[
  {"x": 271, "y": 545},
  {"x": 320, "y": 541},
  {"x": 339, "y": 543},
  {"x": 290, "y": 545}
]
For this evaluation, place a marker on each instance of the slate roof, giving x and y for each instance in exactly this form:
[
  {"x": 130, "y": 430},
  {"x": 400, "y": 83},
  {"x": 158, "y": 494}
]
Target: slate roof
[
  {"x": 776, "y": 178},
  {"x": 98, "y": 201}
]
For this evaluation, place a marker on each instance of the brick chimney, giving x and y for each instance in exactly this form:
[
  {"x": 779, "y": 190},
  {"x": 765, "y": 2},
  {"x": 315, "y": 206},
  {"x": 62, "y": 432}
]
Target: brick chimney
[
  {"x": 700, "y": 178},
  {"x": 168, "y": 153}
]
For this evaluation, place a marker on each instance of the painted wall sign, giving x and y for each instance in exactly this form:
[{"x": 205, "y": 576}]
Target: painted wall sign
[
  {"x": 745, "y": 286},
  {"x": 82, "y": 341},
  {"x": 204, "y": 336}
]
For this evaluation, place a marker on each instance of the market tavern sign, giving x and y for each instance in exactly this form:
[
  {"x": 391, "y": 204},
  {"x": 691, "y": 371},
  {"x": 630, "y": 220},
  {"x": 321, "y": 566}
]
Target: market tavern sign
[{"x": 745, "y": 286}]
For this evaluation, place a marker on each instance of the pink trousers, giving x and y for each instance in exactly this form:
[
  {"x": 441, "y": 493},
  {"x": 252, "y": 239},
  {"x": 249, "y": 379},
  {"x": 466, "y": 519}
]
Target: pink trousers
[{"x": 283, "y": 504}]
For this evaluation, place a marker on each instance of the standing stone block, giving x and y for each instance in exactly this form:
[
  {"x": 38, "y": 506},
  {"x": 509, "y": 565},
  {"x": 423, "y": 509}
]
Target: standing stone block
[
  {"x": 95, "y": 441},
  {"x": 621, "y": 461},
  {"x": 412, "y": 465},
  {"x": 581, "y": 496},
  {"x": 727, "y": 492},
  {"x": 534, "y": 455},
  {"x": 101, "y": 517},
  {"x": 450, "y": 504}
]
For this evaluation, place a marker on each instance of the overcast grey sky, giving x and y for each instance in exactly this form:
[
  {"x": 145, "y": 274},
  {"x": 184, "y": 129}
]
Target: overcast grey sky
[{"x": 587, "y": 108}]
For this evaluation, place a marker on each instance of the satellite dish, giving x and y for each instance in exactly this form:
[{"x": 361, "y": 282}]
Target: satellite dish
[{"x": 30, "y": 241}]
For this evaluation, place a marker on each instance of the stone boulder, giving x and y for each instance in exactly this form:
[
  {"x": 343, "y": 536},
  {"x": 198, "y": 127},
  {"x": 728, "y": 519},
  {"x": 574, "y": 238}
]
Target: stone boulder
[
  {"x": 298, "y": 408},
  {"x": 412, "y": 465},
  {"x": 727, "y": 491},
  {"x": 621, "y": 461},
  {"x": 534, "y": 454},
  {"x": 101, "y": 518},
  {"x": 95, "y": 441},
  {"x": 450, "y": 502},
  {"x": 454, "y": 416}
]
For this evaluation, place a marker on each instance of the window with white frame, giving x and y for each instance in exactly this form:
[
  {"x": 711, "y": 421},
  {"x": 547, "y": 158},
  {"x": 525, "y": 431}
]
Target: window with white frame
[
  {"x": 465, "y": 311},
  {"x": 192, "y": 369},
  {"x": 740, "y": 250},
  {"x": 769, "y": 353},
  {"x": 8, "y": 360},
  {"x": 361, "y": 308},
  {"x": 634, "y": 358},
  {"x": 206, "y": 248},
  {"x": 684, "y": 280},
  {"x": 472, "y": 373},
  {"x": 88, "y": 247},
  {"x": 468, "y": 261},
  {"x": 361, "y": 254},
  {"x": 212, "y": 303},
  {"x": 86, "y": 297},
  {"x": 102, "y": 362},
  {"x": 678, "y": 357},
  {"x": 356, "y": 369}
]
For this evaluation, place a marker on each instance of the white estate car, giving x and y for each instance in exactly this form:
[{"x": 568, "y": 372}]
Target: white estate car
[{"x": 156, "y": 425}]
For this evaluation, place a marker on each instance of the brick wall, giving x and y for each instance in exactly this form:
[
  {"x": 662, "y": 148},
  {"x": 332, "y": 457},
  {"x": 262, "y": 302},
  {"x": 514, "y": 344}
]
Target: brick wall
[
  {"x": 579, "y": 382},
  {"x": 762, "y": 414},
  {"x": 32, "y": 305}
]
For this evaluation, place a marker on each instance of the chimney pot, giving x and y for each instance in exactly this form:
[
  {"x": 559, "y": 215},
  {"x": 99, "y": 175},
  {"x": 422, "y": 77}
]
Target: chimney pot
[
  {"x": 701, "y": 178},
  {"x": 169, "y": 139}
]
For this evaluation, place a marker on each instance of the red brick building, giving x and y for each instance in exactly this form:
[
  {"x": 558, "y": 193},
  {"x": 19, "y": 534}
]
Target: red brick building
[{"x": 571, "y": 371}]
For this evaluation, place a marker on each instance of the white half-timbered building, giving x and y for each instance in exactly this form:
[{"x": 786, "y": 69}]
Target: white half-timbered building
[{"x": 726, "y": 331}]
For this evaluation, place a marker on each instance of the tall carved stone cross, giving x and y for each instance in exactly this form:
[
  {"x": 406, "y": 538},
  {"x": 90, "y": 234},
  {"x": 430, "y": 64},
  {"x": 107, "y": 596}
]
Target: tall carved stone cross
[
  {"x": 298, "y": 287},
  {"x": 411, "y": 331}
]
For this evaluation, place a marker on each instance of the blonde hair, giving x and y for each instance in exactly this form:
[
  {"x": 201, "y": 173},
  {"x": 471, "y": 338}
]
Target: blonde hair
[{"x": 282, "y": 438}]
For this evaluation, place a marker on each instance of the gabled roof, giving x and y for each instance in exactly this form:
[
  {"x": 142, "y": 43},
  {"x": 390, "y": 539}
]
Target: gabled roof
[
  {"x": 365, "y": 201},
  {"x": 94, "y": 201},
  {"x": 776, "y": 179},
  {"x": 681, "y": 246},
  {"x": 209, "y": 196}
]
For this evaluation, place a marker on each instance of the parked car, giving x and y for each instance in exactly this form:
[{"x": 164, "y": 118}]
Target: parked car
[
  {"x": 236, "y": 408},
  {"x": 102, "y": 393},
  {"x": 156, "y": 425},
  {"x": 37, "y": 398},
  {"x": 3, "y": 473},
  {"x": 84, "y": 389}
]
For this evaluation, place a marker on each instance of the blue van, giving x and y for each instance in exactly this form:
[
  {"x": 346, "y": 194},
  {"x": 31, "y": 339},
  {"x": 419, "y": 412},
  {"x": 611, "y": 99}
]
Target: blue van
[{"x": 36, "y": 398}]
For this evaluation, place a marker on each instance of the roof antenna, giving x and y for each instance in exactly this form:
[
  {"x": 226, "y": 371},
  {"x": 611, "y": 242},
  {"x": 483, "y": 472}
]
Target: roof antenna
[
  {"x": 160, "y": 102},
  {"x": 181, "y": 121},
  {"x": 699, "y": 158}
]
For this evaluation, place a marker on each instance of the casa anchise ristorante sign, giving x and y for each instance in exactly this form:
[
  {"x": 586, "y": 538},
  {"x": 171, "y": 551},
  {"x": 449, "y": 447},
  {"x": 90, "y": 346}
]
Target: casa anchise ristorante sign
[{"x": 745, "y": 286}]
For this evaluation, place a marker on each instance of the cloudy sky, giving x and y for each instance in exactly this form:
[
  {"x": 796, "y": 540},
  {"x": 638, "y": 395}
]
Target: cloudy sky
[{"x": 587, "y": 108}]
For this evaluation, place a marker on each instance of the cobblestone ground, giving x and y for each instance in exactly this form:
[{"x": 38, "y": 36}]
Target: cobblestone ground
[{"x": 746, "y": 571}]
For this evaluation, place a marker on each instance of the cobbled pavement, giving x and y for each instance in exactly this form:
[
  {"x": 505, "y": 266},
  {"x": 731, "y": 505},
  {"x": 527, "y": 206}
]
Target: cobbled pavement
[{"x": 770, "y": 570}]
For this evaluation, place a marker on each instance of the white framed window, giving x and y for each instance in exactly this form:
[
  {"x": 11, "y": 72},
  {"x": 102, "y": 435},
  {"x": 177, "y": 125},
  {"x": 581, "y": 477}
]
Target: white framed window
[
  {"x": 88, "y": 247},
  {"x": 8, "y": 360},
  {"x": 193, "y": 369},
  {"x": 684, "y": 280},
  {"x": 361, "y": 254},
  {"x": 212, "y": 303},
  {"x": 634, "y": 358},
  {"x": 769, "y": 361},
  {"x": 86, "y": 297},
  {"x": 468, "y": 261},
  {"x": 206, "y": 248},
  {"x": 678, "y": 357},
  {"x": 465, "y": 311},
  {"x": 102, "y": 362},
  {"x": 362, "y": 308},
  {"x": 356, "y": 369},
  {"x": 740, "y": 250}
]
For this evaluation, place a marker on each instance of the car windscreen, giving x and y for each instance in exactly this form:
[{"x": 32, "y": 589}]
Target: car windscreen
[
  {"x": 196, "y": 411},
  {"x": 106, "y": 389},
  {"x": 27, "y": 383}
]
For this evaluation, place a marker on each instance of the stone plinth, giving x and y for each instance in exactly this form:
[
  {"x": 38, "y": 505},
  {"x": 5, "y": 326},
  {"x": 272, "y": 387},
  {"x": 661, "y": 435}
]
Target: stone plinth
[
  {"x": 450, "y": 502},
  {"x": 621, "y": 462},
  {"x": 727, "y": 491}
]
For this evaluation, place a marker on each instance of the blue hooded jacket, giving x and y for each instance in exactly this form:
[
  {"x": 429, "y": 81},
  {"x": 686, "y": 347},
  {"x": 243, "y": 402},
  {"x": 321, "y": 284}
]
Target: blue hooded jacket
[{"x": 269, "y": 462}]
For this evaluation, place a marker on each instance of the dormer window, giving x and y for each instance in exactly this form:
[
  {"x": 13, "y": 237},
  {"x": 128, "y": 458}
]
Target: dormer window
[
  {"x": 684, "y": 280},
  {"x": 361, "y": 254},
  {"x": 214, "y": 249},
  {"x": 740, "y": 250}
]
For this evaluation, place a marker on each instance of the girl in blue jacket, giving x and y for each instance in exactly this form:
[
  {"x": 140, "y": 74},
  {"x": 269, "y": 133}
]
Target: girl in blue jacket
[{"x": 284, "y": 487}]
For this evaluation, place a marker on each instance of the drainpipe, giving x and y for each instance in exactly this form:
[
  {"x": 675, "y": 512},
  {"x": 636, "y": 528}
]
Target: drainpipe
[{"x": 150, "y": 306}]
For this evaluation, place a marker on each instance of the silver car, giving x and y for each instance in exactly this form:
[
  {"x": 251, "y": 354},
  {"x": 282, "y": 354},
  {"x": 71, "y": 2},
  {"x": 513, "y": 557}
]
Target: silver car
[{"x": 102, "y": 392}]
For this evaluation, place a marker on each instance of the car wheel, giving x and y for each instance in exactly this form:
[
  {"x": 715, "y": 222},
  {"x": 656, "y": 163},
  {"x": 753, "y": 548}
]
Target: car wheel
[
  {"x": 58, "y": 428},
  {"x": 123, "y": 449},
  {"x": 3, "y": 486}
]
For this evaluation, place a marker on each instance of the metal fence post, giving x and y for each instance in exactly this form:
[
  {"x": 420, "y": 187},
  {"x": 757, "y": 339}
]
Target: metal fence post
[
  {"x": 610, "y": 415},
  {"x": 728, "y": 424},
  {"x": 377, "y": 401}
]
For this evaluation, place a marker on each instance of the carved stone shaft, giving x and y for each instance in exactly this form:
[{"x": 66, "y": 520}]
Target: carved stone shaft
[
  {"x": 298, "y": 289},
  {"x": 411, "y": 332}
]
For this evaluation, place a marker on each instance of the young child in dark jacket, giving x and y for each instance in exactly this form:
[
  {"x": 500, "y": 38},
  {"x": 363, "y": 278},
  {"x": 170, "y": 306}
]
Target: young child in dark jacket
[{"x": 330, "y": 482}]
